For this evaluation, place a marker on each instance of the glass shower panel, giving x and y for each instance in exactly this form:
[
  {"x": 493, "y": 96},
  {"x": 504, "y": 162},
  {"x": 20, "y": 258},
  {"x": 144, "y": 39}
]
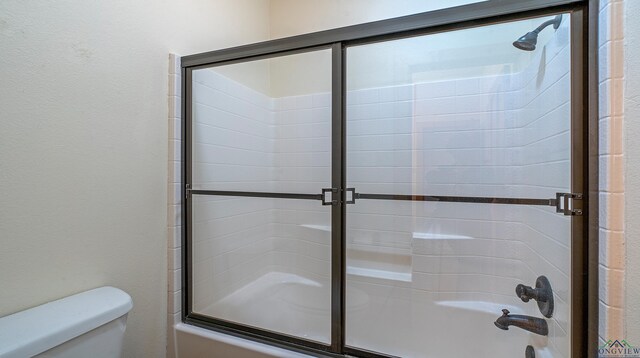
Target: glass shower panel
[
  {"x": 260, "y": 236},
  {"x": 456, "y": 142},
  {"x": 264, "y": 263},
  {"x": 263, "y": 126}
]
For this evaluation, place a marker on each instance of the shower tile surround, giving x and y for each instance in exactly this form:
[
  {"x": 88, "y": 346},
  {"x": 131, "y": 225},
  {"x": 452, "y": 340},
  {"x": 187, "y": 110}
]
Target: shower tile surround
[
  {"x": 526, "y": 108},
  {"x": 611, "y": 116}
]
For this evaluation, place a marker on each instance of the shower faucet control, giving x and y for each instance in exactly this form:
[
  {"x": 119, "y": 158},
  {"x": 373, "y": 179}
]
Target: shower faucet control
[{"x": 542, "y": 294}]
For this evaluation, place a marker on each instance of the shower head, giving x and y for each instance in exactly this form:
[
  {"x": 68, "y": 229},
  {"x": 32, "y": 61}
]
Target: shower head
[{"x": 529, "y": 40}]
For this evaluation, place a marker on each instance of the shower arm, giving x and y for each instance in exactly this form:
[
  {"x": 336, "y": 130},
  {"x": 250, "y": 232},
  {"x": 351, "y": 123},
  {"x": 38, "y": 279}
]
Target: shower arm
[{"x": 555, "y": 22}]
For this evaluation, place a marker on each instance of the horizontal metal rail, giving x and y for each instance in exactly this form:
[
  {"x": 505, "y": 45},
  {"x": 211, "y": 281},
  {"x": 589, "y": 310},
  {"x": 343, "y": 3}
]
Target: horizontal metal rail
[
  {"x": 459, "y": 199},
  {"x": 257, "y": 194},
  {"x": 437, "y": 198}
]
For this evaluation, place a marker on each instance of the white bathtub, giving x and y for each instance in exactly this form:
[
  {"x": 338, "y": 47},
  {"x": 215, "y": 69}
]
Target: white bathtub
[
  {"x": 382, "y": 315},
  {"x": 196, "y": 342}
]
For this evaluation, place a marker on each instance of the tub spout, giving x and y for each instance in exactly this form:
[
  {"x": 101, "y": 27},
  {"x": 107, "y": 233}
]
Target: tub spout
[{"x": 528, "y": 323}]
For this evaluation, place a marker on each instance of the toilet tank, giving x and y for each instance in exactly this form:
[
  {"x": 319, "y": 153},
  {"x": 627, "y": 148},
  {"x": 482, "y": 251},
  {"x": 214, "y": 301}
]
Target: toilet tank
[{"x": 88, "y": 324}]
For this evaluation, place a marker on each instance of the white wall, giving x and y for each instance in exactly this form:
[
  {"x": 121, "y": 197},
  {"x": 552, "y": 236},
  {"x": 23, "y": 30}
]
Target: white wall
[
  {"x": 293, "y": 17},
  {"x": 485, "y": 50},
  {"x": 83, "y": 137}
]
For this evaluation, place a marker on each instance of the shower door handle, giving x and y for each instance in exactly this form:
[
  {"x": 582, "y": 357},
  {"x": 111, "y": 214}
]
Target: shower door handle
[
  {"x": 353, "y": 196},
  {"x": 333, "y": 200},
  {"x": 335, "y": 197},
  {"x": 564, "y": 203}
]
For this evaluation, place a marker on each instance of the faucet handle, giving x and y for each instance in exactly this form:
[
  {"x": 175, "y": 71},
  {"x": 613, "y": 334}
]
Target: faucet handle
[
  {"x": 542, "y": 293},
  {"x": 505, "y": 312},
  {"x": 525, "y": 293}
]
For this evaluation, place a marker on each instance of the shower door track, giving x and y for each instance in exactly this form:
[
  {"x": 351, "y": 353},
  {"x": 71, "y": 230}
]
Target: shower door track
[{"x": 584, "y": 159}]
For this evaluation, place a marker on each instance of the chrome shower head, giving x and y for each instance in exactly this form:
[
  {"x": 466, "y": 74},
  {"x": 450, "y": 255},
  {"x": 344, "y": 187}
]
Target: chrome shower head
[{"x": 528, "y": 41}]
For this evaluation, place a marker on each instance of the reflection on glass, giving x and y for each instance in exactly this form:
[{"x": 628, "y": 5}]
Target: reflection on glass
[
  {"x": 263, "y": 125},
  {"x": 461, "y": 113},
  {"x": 264, "y": 263}
]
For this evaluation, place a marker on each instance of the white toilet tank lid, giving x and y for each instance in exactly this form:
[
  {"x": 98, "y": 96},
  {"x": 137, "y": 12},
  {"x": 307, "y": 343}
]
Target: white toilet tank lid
[{"x": 35, "y": 330}]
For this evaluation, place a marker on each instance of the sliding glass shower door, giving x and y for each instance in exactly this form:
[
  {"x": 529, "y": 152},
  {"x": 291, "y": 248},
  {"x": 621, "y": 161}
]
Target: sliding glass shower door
[
  {"x": 408, "y": 188},
  {"x": 458, "y": 144},
  {"x": 260, "y": 157}
]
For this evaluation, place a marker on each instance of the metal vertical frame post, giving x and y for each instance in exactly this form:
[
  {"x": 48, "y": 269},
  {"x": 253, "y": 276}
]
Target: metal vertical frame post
[
  {"x": 186, "y": 113},
  {"x": 592, "y": 160},
  {"x": 338, "y": 211},
  {"x": 580, "y": 183}
]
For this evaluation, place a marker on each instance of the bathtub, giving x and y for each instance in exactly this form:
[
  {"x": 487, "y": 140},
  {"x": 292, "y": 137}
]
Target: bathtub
[
  {"x": 196, "y": 342},
  {"x": 416, "y": 323}
]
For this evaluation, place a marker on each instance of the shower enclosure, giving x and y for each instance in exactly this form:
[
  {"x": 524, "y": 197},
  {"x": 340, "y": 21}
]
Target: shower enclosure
[{"x": 395, "y": 188}]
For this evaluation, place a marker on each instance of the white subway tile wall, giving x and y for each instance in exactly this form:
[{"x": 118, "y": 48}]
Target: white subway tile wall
[
  {"x": 174, "y": 197},
  {"x": 611, "y": 117}
]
